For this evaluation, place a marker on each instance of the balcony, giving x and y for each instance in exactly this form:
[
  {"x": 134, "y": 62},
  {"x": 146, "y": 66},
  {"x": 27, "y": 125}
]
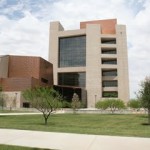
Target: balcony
[
  {"x": 110, "y": 61},
  {"x": 110, "y": 50},
  {"x": 108, "y": 40}
]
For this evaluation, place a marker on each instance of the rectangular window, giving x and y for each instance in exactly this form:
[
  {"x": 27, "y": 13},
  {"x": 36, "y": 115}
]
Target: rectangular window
[
  {"x": 108, "y": 40},
  {"x": 72, "y": 51},
  {"x": 110, "y": 94},
  {"x": 109, "y": 61},
  {"x": 109, "y": 72},
  {"x": 44, "y": 80},
  {"x": 72, "y": 79},
  {"x": 110, "y": 83},
  {"x": 108, "y": 51}
]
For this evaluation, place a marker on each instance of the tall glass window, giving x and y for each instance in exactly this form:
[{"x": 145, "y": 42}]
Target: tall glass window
[
  {"x": 72, "y": 51},
  {"x": 72, "y": 79}
]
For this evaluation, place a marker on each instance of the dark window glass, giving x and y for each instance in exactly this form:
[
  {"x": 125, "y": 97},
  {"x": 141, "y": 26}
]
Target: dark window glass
[
  {"x": 67, "y": 92},
  {"x": 113, "y": 83},
  {"x": 72, "y": 51},
  {"x": 109, "y": 73},
  {"x": 72, "y": 79},
  {"x": 110, "y": 94},
  {"x": 109, "y": 51},
  {"x": 108, "y": 41},
  {"x": 26, "y": 104},
  {"x": 44, "y": 80},
  {"x": 109, "y": 61}
]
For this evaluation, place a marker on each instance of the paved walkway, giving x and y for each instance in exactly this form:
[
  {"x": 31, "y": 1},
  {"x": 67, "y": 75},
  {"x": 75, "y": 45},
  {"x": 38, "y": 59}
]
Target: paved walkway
[{"x": 67, "y": 141}]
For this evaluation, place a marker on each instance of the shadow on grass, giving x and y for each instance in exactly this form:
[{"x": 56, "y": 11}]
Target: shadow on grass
[
  {"x": 143, "y": 116},
  {"x": 145, "y": 124},
  {"x": 3, "y": 116}
]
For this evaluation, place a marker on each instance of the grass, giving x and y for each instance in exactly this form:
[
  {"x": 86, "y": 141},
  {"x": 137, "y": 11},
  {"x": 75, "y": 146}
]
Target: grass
[
  {"x": 10, "y": 147},
  {"x": 100, "y": 124}
]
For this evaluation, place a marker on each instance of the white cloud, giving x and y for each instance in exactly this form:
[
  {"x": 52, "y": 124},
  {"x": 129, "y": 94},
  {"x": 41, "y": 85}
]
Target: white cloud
[{"x": 27, "y": 34}]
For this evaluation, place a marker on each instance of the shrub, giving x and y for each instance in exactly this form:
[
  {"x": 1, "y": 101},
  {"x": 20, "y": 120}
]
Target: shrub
[{"x": 113, "y": 104}]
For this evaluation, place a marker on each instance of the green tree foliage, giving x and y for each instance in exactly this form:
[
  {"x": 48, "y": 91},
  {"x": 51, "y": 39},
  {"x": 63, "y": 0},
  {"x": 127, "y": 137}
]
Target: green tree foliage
[
  {"x": 2, "y": 102},
  {"x": 135, "y": 104},
  {"x": 75, "y": 104},
  {"x": 112, "y": 104},
  {"x": 144, "y": 95},
  {"x": 44, "y": 99},
  {"x": 66, "y": 104}
]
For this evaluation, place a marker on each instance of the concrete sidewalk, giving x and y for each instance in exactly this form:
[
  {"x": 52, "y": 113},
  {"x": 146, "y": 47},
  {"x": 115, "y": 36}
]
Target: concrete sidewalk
[{"x": 67, "y": 141}]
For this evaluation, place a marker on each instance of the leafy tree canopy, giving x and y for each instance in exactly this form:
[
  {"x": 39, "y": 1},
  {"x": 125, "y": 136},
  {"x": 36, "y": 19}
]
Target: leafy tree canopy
[{"x": 44, "y": 99}]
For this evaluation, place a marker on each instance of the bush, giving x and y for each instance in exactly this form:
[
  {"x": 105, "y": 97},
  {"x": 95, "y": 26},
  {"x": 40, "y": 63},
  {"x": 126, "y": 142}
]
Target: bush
[
  {"x": 113, "y": 104},
  {"x": 66, "y": 104},
  {"x": 75, "y": 104},
  {"x": 135, "y": 104}
]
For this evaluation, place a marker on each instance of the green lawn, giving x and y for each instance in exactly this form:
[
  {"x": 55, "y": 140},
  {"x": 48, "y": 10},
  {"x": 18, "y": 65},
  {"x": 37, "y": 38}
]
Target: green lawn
[
  {"x": 10, "y": 147},
  {"x": 122, "y": 125}
]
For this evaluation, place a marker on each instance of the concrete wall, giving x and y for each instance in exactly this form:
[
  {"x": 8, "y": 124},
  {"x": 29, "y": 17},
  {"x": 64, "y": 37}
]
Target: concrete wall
[
  {"x": 122, "y": 56},
  {"x": 93, "y": 68},
  {"x": 55, "y": 33},
  {"x": 94, "y": 31},
  {"x": 12, "y": 99}
]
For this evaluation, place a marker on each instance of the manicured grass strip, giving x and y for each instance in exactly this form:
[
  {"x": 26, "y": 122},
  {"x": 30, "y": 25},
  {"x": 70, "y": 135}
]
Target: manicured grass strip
[
  {"x": 100, "y": 124},
  {"x": 10, "y": 147}
]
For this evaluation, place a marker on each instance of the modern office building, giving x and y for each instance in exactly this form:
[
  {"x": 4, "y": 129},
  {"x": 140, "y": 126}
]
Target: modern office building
[
  {"x": 18, "y": 73},
  {"x": 92, "y": 59}
]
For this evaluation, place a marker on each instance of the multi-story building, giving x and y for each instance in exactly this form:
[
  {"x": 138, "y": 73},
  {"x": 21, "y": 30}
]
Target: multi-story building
[
  {"x": 92, "y": 58},
  {"x": 18, "y": 73}
]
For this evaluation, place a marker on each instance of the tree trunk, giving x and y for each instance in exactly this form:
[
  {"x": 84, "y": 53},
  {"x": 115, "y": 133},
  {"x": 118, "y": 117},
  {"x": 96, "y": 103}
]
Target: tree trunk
[
  {"x": 46, "y": 118},
  {"x": 149, "y": 116}
]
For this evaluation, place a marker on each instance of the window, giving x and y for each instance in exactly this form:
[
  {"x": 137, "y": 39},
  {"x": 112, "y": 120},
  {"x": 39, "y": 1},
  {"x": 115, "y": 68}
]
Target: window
[
  {"x": 26, "y": 105},
  {"x": 110, "y": 94},
  {"x": 72, "y": 79},
  {"x": 108, "y": 40},
  {"x": 108, "y": 51},
  {"x": 109, "y": 61},
  {"x": 113, "y": 83},
  {"x": 44, "y": 80},
  {"x": 72, "y": 51},
  {"x": 109, "y": 72}
]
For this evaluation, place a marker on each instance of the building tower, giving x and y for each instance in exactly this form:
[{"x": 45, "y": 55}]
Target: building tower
[{"x": 93, "y": 58}]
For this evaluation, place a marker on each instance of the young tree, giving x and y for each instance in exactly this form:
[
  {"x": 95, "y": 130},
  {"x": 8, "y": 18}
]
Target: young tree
[
  {"x": 44, "y": 99},
  {"x": 2, "y": 101},
  {"x": 135, "y": 104},
  {"x": 113, "y": 104},
  {"x": 144, "y": 95},
  {"x": 75, "y": 102},
  {"x": 103, "y": 105}
]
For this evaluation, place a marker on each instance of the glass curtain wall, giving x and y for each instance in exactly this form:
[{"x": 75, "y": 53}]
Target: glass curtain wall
[{"x": 72, "y": 51}]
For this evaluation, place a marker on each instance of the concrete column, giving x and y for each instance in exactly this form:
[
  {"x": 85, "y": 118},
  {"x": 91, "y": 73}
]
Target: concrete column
[
  {"x": 122, "y": 60},
  {"x": 55, "y": 27},
  {"x": 93, "y": 68}
]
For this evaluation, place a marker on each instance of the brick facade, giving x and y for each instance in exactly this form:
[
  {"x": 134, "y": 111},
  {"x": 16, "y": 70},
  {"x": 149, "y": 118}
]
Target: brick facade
[{"x": 27, "y": 72}]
